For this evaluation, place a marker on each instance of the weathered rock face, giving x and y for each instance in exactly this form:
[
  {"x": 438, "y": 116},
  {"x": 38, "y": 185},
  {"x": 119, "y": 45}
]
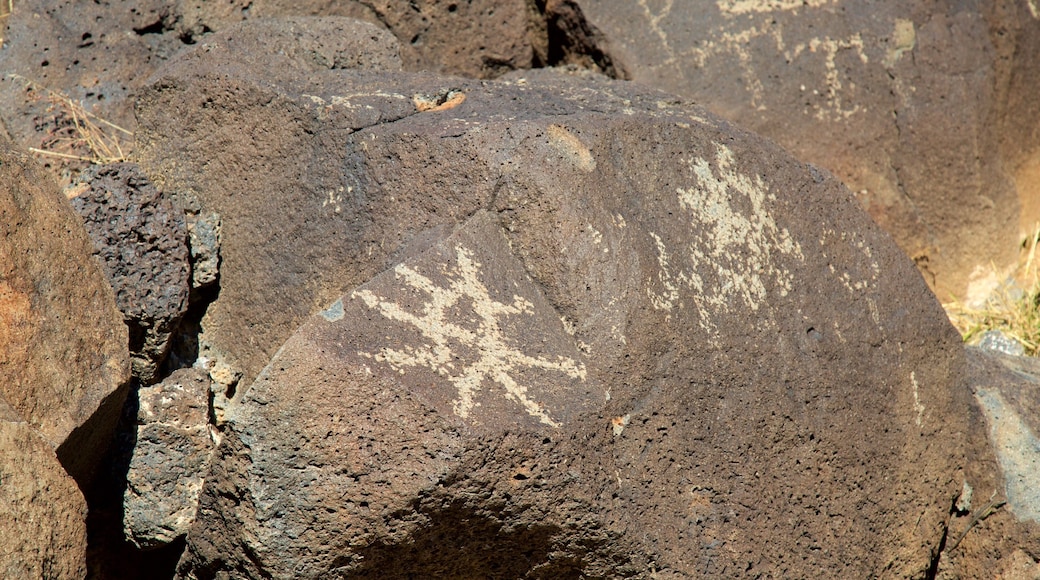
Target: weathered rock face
[
  {"x": 995, "y": 532},
  {"x": 99, "y": 54},
  {"x": 43, "y": 530},
  {"x": 301, "y": 265},
  {"x": 174, "y": 444},
  {"x": 927, "y": 112},
  {"x": 141, "y": 241},
  {"x": 550, "y": 327},
  {"x": 64, "y": 366}
]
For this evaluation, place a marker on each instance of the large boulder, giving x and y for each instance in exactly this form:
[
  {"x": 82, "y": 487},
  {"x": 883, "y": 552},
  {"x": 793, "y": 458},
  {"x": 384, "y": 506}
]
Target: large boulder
[
  {"x": 546, "y": 327},
  {"x": 64, "y": 60},
  {"x": 927, "y": 112},
  {"x": 64, "y": 366}
]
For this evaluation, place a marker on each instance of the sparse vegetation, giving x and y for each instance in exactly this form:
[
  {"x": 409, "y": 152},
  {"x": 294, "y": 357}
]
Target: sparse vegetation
[
  {"x": 1014, "y": 308},
  {"x": 6, "y": 8},
  {"x": 73, "y": 132}
]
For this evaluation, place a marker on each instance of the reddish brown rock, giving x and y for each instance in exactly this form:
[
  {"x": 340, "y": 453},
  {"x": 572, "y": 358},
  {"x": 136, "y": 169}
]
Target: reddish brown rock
[
  {"x": 43, "y": 530},
  {"x": 64, "y": 366},
  {"x": 550, "y": 327},
  {"x": 927, "y": 112}
]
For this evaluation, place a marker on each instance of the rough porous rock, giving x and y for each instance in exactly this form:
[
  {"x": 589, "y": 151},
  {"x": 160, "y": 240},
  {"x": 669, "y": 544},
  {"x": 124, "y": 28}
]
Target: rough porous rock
[
  {"x": 927, "y": 112},
  {"x": 551, "y": 327},
  {"x": 174, "y": 446},
  {"x": 43, "y": 530},
  {"x": 141, "y": 241},
  {"x": 63, "y": 345},
  {"x": 96, "y": 56},
  {"x": 277, "y": 267}
]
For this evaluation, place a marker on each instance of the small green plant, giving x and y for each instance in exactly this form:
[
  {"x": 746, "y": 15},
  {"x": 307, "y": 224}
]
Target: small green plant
[{"x": 1014, "y": 308}]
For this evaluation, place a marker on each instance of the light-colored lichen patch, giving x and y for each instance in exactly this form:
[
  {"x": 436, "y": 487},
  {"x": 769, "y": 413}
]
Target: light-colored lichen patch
[
  {"x": 469, "y": 351},
  {"x": 733, "y": 236}
]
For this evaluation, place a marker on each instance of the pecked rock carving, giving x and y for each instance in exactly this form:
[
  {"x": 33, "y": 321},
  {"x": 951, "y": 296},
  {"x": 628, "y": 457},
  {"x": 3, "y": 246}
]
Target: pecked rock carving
[{"x": 499, "y": 358}]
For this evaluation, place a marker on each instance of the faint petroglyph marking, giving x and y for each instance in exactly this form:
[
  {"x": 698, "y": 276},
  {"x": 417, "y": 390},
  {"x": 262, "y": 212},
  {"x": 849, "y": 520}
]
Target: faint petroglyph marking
[
  {"x": 858, "y": 284},
  {"x": 724, "y": 42},
  {"x": 836, "y": 109},
  {"x": 498, "y": 359},
  {"x": 654, "y": 20},
  {"x": 333, "y": 199},
  {"x": 346, "y": 101},
  {"x": 1033, "y": 9},
  {"x": 738, "y": 240},
  {"x": 665, "y": 300},
  {"x": 569, "y": 146},
  {"x": 735, "y": 7},
  {"x": 918, "y": 407}
]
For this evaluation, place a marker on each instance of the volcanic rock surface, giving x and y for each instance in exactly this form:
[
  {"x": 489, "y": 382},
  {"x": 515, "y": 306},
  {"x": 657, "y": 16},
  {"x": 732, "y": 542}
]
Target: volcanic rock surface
[
  {"x": 63, "y": 373},
  {"x": 927, "y": 112},
  {"x": 564, "y": 314},
  {"x": 65, "y": 364},
  {"x": 141, "y": 240}
]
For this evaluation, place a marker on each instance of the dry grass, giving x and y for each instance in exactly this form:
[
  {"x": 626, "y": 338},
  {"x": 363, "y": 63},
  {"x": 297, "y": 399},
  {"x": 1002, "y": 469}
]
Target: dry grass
[
  {"x": 1014, "y": 308},
  {"x": 74, "y": 133},
  {"x": 6, "y": 8}
]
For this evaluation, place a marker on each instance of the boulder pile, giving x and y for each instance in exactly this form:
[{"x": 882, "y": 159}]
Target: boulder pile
[{"x": 534, "y": 321}]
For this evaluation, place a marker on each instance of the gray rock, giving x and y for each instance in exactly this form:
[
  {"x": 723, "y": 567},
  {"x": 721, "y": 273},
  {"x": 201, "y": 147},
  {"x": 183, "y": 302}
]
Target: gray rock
[
  {"x": 1002, "y": 467},
  {"x": 204, "y": 240},
  {"x": 996, "y": 340},
  {"x": 141, "y": 241},
  {"x": 174, "y": 445},
  {"x": 549, "y": 327}
]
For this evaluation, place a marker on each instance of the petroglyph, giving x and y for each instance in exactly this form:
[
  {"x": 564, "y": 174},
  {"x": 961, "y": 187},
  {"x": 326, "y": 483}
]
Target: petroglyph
[
  {"x": 738, "y": 240},
  {"x": 497, "y": 358},
  {"x": 655, "y": 24},
  {"x": 904, "y": 38},
  {"x": 836, "y": 108},
  {"x": 736, "y": 7},
  {"x": 918, "y": 407},
  {"x": 748, "y": 38}
]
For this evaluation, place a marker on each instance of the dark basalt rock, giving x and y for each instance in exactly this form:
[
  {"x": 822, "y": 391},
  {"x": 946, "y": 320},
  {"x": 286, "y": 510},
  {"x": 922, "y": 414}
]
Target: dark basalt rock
[
  {"x": 565, "y": 314},
  {"x": 141, "y": 241},
  {"x": 927, "y": 112}
]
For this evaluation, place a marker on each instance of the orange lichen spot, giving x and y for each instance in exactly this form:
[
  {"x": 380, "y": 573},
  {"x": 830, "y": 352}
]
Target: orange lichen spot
[{"x": 440, "y": 102}]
